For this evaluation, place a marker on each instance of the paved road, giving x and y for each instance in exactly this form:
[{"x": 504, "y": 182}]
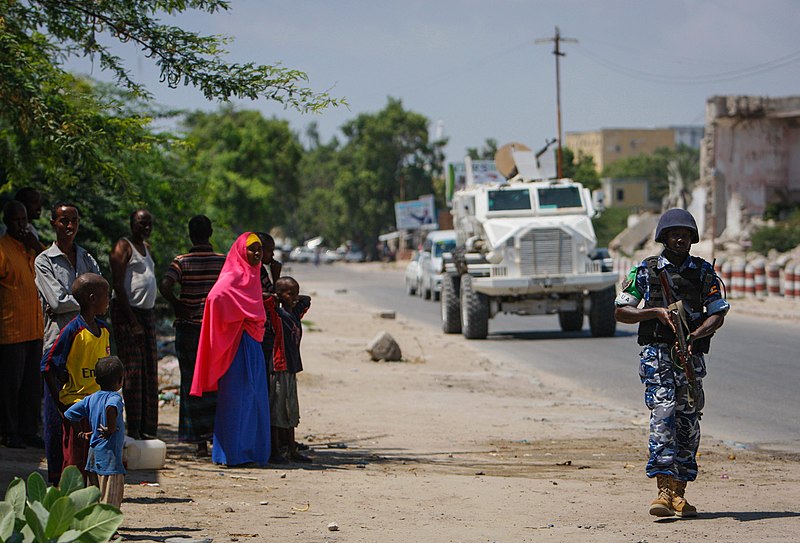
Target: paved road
[{"x": 751, "y": 395}]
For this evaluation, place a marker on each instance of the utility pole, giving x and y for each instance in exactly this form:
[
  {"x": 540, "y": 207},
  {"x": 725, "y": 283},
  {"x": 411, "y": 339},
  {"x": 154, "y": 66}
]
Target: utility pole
[{"x": 557, "y": 39}]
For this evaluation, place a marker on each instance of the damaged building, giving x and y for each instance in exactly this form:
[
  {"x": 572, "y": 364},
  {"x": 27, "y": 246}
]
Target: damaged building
[{"x": 749, "y": 160}]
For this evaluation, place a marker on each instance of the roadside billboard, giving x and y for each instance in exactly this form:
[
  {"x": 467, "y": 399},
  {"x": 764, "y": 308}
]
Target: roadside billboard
[
  {"x": 416, "y": 214},
  {"x": 470, "y": 172}
]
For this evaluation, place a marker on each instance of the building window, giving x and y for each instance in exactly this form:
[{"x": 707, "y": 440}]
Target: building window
[{"x": 620, "y": 195}]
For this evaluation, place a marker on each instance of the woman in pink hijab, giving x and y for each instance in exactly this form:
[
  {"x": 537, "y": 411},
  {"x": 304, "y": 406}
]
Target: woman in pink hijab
[{"x": 230, "y": 359}]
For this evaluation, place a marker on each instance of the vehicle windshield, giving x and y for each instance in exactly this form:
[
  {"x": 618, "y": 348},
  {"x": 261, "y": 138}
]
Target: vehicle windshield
[
  {"x": 557, "y": 198},
  {"x": 444, "y": 246},
  {"x": 509, "y": 200}
]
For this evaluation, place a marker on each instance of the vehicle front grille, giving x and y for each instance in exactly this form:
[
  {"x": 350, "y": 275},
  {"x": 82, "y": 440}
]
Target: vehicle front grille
[{"x": 546, "y": 252}]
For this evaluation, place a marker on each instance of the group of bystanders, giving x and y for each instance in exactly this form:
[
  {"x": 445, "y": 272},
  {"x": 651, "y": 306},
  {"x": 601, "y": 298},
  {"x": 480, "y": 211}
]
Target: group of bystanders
[{"x": 238, "y": 386}]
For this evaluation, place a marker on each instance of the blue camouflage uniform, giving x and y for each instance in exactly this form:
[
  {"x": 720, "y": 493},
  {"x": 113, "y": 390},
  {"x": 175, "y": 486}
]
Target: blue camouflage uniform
[{"x": 674, "y": 424}]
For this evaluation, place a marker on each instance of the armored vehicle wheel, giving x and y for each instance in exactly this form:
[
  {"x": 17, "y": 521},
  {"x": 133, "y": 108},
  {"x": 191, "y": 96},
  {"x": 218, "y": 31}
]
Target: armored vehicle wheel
[
  {"x": 601, "y": 313},
  {"x": 411, "y": 288},
  {"x": 571, "y": 321},
  {"x": 474, "y": 311},
  {"x": 451, "y": 304}
]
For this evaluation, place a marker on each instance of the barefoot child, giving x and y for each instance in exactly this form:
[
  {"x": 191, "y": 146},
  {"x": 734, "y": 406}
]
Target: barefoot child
[{"x": 103, "y": 409}]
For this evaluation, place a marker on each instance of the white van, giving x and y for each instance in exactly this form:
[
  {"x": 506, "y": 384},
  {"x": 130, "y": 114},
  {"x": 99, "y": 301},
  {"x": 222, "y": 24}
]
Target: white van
[{"x": 436, "y": 244}]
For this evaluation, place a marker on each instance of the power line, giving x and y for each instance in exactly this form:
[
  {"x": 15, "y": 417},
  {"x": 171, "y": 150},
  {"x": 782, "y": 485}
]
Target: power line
[{"x": 730, "y": 75}]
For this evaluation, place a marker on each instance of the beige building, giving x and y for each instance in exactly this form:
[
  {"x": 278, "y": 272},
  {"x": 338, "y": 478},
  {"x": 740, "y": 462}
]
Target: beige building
[
  {"x": 631, "y": 192},
  {"x": 608, "y": 145}
]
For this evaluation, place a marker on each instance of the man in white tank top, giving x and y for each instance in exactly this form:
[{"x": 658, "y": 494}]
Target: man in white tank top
[{"x": 134, "y": 325}]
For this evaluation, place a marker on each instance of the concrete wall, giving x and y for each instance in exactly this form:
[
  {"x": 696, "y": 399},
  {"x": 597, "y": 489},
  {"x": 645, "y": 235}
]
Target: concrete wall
[{"x": 750, "y": 158}]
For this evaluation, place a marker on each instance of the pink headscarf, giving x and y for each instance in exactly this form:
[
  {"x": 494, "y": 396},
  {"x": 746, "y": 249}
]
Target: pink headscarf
[{"x": 233, "y": 306}]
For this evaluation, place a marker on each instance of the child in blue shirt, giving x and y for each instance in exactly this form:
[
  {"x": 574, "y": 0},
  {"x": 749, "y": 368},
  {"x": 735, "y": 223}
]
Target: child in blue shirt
[{"x": 104, "y": 409}]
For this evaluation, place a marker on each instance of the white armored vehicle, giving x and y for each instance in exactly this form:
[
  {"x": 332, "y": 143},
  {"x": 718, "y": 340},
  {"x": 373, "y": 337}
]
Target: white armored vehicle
[{"x": 523, "y": 247}]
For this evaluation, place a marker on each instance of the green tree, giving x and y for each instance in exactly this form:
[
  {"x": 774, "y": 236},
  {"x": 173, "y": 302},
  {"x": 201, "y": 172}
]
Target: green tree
[
  {"x": 581, "y": 168},
  {"x": 46, "y": 121},
  {"x": 319, "y": 204},
  {"x": 249, "y": 167},
  {"x": 486, "y": 152},
  {"x": 655, "y": 167},
  {"x": 386, "y": 157},
  {"x": 156, "y": 178}
]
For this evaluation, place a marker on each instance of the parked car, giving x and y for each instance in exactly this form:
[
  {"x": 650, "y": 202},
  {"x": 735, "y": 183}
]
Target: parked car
[
  {"x": 329, "y": 256},
  {"x": 412, "y": 274},
  {"x": 302, "y": 254},
  {"x": 354, "y": 254},
  {"x": 601, "y": 253},
  {"x": 436, "y": 244}
]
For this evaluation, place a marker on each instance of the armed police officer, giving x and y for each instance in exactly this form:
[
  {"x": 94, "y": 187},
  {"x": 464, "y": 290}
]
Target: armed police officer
[{"x": 683, "y": 307}]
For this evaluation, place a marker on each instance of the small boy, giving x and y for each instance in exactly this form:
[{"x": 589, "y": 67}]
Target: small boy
[
  {"x": 103, "y": 410},
  {"x": 284, "y": 365},
  {"x": 69, "y": 365}
]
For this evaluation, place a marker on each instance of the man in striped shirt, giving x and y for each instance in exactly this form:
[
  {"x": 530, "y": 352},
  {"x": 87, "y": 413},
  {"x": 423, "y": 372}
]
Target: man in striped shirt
[{"x": 195, "y": 272}]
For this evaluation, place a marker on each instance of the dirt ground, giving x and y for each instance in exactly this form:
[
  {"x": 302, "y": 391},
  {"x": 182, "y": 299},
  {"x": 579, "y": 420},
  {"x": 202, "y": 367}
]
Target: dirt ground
[{"x": 446, "y": 446}]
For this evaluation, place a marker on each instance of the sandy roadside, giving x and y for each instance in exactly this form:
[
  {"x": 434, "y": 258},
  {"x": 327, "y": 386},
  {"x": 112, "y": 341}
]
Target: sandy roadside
[{"x": 450, "y": 446}]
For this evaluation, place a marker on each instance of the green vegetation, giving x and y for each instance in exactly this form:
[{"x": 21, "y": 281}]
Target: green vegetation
[
  {"x": 782, "y": 237},
  {"x": 581, "y": 168},
  {"x": 34, "y": 513},
  {"x": 53, "y": 127},
  {"x": 610, "y": 223},
  {"x": 655, "y": 167}
]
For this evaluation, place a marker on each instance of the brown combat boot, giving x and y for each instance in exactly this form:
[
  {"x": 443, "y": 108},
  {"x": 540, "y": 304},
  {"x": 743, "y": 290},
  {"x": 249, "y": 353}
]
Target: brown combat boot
[
  {"x": 679, "y": 504},
  {"x": 662, "y": 506}
]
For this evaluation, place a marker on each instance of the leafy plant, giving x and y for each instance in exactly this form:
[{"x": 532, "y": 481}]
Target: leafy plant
[
  {"x": 782, "y": 237},
  {"x": 34, "y": 513}
]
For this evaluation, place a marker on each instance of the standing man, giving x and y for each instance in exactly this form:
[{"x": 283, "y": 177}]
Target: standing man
[
  {"x": 20, "y": 333},
  {"x": 32, "y": 200},
  {"x": 134, "y": 323},
  {"x": 56, "y": 269},
  {"x": 195, "y": 272},
  {"x": 686, "y": 288}
]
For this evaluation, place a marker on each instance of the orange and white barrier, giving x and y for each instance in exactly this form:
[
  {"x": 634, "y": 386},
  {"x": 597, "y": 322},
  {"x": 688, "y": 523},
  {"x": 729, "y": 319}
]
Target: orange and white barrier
[
  {"x": 796, "y": 288},
  {"x": 788, "y": 280},
  {"x": 749, "y": 280},
  {"x": 773, "y": 279},
  {"x": 725, "y": 275},
  {"x": 737, "y": 278},
  {"x": 760, "y": 277}
]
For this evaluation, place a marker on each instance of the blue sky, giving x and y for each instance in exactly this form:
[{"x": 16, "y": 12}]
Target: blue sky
[{"x": 474, "y": 65}]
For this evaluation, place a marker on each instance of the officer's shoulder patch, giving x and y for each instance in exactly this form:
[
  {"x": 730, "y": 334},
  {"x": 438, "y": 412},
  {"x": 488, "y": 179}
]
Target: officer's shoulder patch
[{"x": 626, "y": 283}]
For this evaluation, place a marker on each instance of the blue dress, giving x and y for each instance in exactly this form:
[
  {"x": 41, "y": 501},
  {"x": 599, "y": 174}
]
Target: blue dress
[{"x": 241, "y": 425}]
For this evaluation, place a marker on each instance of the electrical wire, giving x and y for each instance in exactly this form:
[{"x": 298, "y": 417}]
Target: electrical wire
[{"x": 720, "y": 77}]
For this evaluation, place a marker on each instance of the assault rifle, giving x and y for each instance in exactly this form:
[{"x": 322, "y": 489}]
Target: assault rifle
[{"x": 681, "y": 348}]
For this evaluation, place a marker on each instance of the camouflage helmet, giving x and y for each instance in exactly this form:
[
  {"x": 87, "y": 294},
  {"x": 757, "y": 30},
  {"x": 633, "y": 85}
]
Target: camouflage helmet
[{"x": 676, "y": 218}]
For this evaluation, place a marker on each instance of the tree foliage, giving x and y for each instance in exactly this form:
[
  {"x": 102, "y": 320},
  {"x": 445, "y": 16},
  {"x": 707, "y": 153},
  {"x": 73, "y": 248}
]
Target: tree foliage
[
  {"x": 486, "y": 152},
  {"x": 655, "y": 167},
  {"x": 249, "y": 167},
  {"x": 387, "y": 158},
  {"x": 782, "y": 236},
  {"x": 581, "y": 168},
  {"x": 51, "y": 125}
]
